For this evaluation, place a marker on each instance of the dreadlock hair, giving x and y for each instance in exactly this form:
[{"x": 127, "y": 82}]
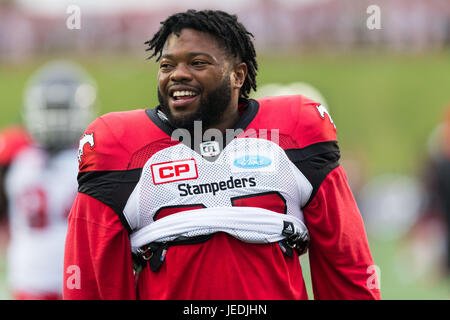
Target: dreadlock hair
[{"x": 224, "y": 27}]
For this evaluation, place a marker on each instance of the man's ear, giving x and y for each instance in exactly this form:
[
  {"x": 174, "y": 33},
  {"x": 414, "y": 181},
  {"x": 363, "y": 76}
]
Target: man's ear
[{"x": 238, "y": 75}]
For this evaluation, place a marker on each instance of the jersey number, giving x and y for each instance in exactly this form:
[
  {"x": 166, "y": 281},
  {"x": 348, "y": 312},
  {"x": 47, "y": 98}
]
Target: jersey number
[
  {"x": 272, "y": 201},
  {"x": 33, "y": 203}
]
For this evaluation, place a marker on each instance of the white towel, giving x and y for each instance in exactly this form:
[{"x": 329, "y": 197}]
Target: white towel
[{"x": 248, "y": 224}]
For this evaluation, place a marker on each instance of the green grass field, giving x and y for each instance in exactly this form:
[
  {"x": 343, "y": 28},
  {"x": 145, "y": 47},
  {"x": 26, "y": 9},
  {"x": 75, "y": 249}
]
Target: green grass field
[{"x": 384, "y": 107}]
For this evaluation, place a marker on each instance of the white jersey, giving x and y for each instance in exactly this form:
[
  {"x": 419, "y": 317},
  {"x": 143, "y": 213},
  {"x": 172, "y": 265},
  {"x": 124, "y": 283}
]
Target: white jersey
[
  {"x": 41, "y": 189},
  {"x": 217, "y": 188}
]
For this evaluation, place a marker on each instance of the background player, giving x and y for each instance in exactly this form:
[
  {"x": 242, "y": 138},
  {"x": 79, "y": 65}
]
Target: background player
[{"x": 40, "y": 182}]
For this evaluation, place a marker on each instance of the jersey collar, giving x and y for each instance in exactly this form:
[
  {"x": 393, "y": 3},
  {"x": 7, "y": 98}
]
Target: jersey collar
[{"x": 248, "y": 109}]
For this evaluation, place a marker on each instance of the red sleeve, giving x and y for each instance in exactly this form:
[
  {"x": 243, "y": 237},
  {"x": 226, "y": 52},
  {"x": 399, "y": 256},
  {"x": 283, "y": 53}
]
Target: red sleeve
[
  {"x": 339, "y": 252},
  {"x": 12, "y": 140},
  {"x": 97, "y": 259}
]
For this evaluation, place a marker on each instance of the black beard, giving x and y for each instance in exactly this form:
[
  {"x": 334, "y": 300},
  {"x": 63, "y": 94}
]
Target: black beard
[{"x": 210, "y": 111}]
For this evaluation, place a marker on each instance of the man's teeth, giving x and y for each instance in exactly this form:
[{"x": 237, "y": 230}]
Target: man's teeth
[{"x": 184, "y": 93}]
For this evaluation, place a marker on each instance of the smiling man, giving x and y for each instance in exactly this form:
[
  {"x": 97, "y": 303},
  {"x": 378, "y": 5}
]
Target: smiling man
[
  {"x": 161, "y": 218},
  {"x": 198, "y": 81}
]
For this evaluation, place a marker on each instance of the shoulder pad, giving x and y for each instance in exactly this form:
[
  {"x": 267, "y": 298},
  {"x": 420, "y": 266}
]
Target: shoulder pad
[
  {"x": 111, "y": 139},
  {"x": 304, "y": 120}
]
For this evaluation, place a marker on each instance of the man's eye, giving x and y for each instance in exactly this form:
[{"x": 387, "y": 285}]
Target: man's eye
[
  {"x": 199, "y": 63},
  {"x": 164, "y": 65}
]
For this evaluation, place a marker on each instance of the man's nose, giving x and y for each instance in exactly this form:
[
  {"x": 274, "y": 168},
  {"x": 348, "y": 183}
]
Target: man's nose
[{"x": 181, "y": 73}]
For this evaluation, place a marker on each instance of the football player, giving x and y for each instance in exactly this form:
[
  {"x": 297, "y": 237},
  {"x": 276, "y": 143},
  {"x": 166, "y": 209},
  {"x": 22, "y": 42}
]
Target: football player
[
  {"x": 40, "y": 182},
  {"x": 212, "y": 195}
]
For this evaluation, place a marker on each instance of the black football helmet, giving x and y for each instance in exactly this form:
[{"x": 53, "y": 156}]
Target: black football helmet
[{"x": 59, "y": 103}]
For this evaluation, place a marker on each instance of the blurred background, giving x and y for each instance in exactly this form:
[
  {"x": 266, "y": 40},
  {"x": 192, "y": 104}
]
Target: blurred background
[{"x": 382, "y": 68}]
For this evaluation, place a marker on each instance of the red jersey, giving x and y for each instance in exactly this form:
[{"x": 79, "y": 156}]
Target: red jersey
[{"x": 126, "y": 183}]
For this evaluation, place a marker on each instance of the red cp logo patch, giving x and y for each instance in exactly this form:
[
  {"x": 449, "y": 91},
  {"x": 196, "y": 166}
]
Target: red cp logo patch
[{"x": 165, "y": 172}]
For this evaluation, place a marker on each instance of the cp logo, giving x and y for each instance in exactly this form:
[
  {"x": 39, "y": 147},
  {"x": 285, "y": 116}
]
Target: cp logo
[{"x": 174, "y": 171}]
